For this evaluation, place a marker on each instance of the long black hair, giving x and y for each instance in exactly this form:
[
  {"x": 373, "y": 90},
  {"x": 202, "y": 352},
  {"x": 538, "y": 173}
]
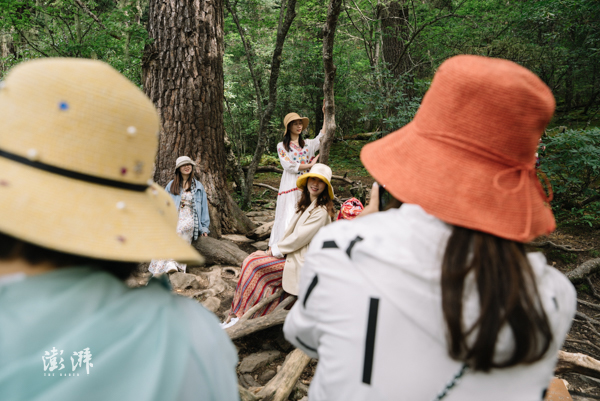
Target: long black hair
[
  {"x": 288, "y": 137},
  {"x": 507, "y": 296},
  {"x": 177, "y": 184}
]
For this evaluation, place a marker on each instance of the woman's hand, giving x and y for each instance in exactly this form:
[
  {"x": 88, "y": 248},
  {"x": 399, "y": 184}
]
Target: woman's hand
[
  {"x": 205, "y": 234},
  {"x": 373, "y": 205},
  {"x": 314, "y": 161}
]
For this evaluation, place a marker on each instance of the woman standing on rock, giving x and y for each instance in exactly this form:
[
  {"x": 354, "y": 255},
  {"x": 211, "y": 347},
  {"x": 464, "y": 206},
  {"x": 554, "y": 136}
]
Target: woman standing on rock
[
  {"x": 191, "y": 203},
  {"x": 264, "y": 273},
  {"x": 296, "y": 156}
]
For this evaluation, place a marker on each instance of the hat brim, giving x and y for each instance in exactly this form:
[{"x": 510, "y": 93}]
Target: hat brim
[
  {"x": 82, "y": 218},
  {"x": 456, "y": 185},
  {"x": 305, "y": 122},
  {"x": 301, "y": 182},
  {"x": 184, "y": 164}
]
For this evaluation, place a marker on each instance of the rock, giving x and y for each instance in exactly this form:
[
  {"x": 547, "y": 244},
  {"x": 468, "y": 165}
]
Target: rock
[
  {"x": 212, "y": 304},
  {"x": 236, "y": 238},
  {"x": 258, "y": 360},
  {"x": 267, "y": 375},
  {"x": 261, "y": 233},
  {"x": 261, "y": 245},
  {"x": 300, "y": 391},
  {"x": 220, "y": 251},
  {"x": 259, "y": 213},
  {"x": 262, "y": 219},
  {"x": 248, "y": 381},
  {"x": 181, "y": 281}
]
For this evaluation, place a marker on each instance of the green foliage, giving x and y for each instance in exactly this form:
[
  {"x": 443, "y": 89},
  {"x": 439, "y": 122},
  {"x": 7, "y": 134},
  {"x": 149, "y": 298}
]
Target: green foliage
[
  {"x": 572, "y": 164},
  {"x": 62, "y": 28}
]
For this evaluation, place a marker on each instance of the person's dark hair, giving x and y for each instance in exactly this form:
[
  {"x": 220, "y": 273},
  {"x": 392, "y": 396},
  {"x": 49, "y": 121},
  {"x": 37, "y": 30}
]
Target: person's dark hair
[
  {"x": 288, "y": 137},
  {"x": 507, "y": 295},
  {"x": 177, "y": 184},
  {"x": 11, "y": 247},
  {"x": 323, "y": 200}
]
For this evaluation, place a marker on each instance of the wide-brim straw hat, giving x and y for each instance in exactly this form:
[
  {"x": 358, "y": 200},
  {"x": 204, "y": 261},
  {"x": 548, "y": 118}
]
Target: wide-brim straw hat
[
  {"x": 293, "y": 117},
  {"x": 321, "y": 171},
  {"x": 182, "y": 161},
  {"x": 468, "y": 156},
  {"x": 77, "y": 148}
]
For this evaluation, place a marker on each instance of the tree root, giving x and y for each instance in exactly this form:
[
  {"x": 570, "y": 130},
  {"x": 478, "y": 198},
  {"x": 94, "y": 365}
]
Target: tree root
[
  {"x": 589, "y": 304},
  {"x": 551, "y": 244},
  {"x": 280, "y": 386},
  {"x": 586, "y": 342},
  {"x": 249, "y": 326},
  {"x": 583, "y": 270},
  {"x": 577, "y": 363},
  {"x": 259, "y": 184}
]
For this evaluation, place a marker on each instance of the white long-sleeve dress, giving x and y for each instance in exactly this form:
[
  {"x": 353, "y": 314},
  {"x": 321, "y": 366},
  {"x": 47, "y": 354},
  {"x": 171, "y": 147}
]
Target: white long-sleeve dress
[{"x": 289, "y": 194}]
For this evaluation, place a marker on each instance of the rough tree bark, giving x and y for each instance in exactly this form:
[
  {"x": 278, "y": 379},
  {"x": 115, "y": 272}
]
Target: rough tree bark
[
  {"x": 183, "y": 76},
  {"x": 395, "y": 32},
  {"x": 333, "y": 12},
  {"x": 264, "y": 114}
]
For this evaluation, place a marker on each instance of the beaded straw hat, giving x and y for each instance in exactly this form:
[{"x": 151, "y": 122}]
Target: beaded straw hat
[
  {"x": 77, "y": 146},
  {"x": 468, "y": 156},
  {"x": 321, "y": 171},
  {"x": 293, "y": 117}
]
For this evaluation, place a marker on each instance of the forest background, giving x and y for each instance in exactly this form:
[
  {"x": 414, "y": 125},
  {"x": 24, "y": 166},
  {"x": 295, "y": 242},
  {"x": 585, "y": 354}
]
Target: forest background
[
  {"x": 224, "y": 73},
  {"x": 385, "y": 51}
]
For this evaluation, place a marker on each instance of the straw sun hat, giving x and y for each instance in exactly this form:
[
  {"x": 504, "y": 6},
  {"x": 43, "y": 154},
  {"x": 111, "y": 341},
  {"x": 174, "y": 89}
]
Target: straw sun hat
[
  {"x": 468, "y": 157},
  {"x": 321, "y": 171},
  {"x": 293, "y": 117},
  {"x": 77, "y": 146}
]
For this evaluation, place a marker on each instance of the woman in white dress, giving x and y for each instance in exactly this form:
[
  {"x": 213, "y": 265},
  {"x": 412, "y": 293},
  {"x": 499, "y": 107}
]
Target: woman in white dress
[{"x": 296, "y": 156}]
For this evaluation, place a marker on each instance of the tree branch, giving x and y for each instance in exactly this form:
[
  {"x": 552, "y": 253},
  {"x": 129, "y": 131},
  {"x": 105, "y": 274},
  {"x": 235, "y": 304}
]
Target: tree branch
[
  {"x": 583, "y": 270},
  {"x": 95, "y": 18}
]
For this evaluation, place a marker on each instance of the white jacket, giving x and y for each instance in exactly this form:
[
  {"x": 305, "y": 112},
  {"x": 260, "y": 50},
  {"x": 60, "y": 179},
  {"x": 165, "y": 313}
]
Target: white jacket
[{"x": 386, "y": 268}]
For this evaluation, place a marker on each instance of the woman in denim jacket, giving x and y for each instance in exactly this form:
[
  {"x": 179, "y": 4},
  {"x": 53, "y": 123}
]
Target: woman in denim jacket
[{"x": 191, "y": 203}]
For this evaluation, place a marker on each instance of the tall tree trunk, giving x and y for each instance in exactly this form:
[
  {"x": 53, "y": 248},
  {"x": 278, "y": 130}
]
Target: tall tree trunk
[
  {"x": 183, "y": 75},
  {"x": 286, "y": 17},
  {"x": 394, "y": 26},
  {"x": 333, "y": 12}
]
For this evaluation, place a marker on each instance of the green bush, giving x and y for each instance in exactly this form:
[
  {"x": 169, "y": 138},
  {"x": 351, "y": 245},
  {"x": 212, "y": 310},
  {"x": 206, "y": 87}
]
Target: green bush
[{"x": 572, "y": 164}]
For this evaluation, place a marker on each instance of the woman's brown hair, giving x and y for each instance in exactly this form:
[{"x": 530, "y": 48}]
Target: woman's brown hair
[
  {"x": 288, "y": 137},
  {"x": 507, "y": 296},
  {"x": 323, "y": 200},
  {"x": 178, "y": 180}
]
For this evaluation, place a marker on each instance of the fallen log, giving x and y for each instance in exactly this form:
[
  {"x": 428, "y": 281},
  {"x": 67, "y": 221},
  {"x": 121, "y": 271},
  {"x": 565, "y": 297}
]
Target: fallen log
[
  {"x": 583, "y": 270},
  {"x": 280, "y": 386},
  {"x": 260, "y": 323},
  {"x": 259, "y": 305},
  {"x": 577, "y": 363},
  {"x": 259, "y": 184}
]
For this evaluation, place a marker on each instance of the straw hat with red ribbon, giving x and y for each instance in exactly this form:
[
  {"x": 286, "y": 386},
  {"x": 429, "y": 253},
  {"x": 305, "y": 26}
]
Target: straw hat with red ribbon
[
  {"x": 468, "y": 156},
  {"x": 77, "y": 148}
]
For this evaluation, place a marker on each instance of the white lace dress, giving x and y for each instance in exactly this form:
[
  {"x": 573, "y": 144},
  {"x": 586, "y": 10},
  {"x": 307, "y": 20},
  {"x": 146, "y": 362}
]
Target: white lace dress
[
  {"x": 185, "y": 229},
  {"x": 289, "y": 194}
]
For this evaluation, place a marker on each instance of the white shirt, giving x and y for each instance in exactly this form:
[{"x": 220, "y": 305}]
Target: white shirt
[{"x": 391, "y": 262}]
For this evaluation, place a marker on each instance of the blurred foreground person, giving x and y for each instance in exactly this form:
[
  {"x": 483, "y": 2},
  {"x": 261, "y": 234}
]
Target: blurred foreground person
[
  {"x": 438, "y": 299},
  {"x": 77, "y": 145}
]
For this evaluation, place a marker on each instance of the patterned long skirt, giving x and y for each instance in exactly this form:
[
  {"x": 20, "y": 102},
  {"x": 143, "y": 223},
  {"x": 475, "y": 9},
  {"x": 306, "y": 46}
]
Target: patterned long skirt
[{"x": 260, "y": 278}]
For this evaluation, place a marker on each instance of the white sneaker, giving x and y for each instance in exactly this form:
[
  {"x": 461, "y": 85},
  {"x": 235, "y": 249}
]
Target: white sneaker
[{"x": 233, "y": 321}]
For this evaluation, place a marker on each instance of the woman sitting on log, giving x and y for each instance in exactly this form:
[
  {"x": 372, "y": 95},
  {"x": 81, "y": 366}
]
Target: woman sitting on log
[
  {"x": 438, "y": 299},
  {"x": 263, "y": 273}
]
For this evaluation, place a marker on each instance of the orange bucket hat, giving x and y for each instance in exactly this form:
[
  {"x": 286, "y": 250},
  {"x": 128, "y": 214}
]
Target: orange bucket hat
[{"x": 468, "y": 156}]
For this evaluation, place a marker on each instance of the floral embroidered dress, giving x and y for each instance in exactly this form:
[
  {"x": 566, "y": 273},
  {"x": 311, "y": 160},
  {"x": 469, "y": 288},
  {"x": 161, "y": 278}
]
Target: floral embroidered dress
[
  {"x": 185, "y": 229},
  {"x": 289, "y": 194}
]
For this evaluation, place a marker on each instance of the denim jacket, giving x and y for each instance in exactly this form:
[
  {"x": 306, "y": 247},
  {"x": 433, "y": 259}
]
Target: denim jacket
[{"x": 200, "y": 204}]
